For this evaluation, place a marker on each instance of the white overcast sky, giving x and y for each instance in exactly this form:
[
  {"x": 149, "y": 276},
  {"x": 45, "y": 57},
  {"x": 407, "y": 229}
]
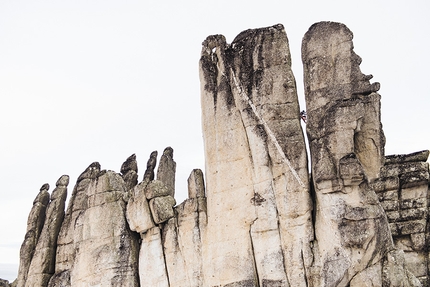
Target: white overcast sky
[{"x": 84, "y": 81}]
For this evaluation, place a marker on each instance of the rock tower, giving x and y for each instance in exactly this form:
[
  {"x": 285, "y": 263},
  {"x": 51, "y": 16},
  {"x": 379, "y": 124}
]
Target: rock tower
[{"x": 263, "y": 214}]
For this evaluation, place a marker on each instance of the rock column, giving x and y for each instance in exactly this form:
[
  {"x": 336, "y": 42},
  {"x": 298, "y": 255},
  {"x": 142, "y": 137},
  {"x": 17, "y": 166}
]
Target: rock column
[
  {"x": 42, "y": 265},
  {"x": 346, "y": 142},
  {"x": 259, "y": 203}
]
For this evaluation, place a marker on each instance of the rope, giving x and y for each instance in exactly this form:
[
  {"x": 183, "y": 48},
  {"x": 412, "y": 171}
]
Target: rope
[{"x": 266, "y": 126}]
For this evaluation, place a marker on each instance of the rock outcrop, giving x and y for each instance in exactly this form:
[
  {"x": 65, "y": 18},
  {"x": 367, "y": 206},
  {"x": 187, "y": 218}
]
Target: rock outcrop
[
  {"x": 35, "y": 222},
  {"x": 256, "y": 163},
  {"x": 256, "y": 217},
  {"x": 352, "y": 235}
]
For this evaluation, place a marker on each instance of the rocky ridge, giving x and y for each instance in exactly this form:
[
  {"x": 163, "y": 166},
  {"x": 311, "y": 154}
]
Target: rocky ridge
[{"x": 256, "y": 217}]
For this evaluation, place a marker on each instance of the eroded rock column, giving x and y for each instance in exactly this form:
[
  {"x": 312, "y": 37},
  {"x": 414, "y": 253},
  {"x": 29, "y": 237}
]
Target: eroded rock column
[
  {"x": 35, "y": 222},
  {"x": 347, "y": 151},
  {"x": 42, "y": 265},
  {"x": 259, "y": 209}
]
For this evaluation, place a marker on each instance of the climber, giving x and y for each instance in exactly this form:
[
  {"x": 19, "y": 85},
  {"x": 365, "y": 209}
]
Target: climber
[{"x": 303, "y": 115}]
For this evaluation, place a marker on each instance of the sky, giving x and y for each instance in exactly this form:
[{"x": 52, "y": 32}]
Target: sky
[{"x": 84, "y": 81}]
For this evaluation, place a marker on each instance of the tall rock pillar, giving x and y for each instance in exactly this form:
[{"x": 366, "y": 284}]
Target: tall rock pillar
[
  {"x": 347, "y": 151},
  {"x": 259, "y": 209}
]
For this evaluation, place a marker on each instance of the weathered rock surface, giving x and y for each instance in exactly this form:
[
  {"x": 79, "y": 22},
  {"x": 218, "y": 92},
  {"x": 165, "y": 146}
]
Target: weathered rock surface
[
  {"x": 256, "y": 218},
  {"x": 35, "y": 221},
  {"x": 403, "y": 192},
  {"x": 42, "y": 265},
  {"x": 129, "y": 172},
  {"x": 347, "y": 150},
  {"x": 167, "y": 169},
  {"x": 96, "y": 247},
  {"x": 259, "y": 229},
  {"x": 4, "y": 283}
]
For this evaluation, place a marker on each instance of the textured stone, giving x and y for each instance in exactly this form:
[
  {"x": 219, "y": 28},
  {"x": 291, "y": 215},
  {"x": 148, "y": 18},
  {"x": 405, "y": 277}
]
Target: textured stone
[
  {"x": 152, "y": 266},
  {"x": 412, "y": 157},
  {"x": 157, "y": 188},
  {"x": 150, "y": 166},
  {"x": 259, "y": 206},
  {"x": 162, "y": 208},
  {"x": 129, "y": 172},
  {"x": 167, "y": 169},
  {"x": 360, "y": 219},
  {"x": 35, "y": 222},
  {"x": 182, "y": 243},
  {"x": 347, "y": 152},
  {"x": 42, "y": 265},
  {"x": 138, "y": 214},
  {"x": 95, "y": 245},
  {"x": 108, "y": 251},
  {"x": 196, "y": 184},
  {"x": 71, "y": 231}
]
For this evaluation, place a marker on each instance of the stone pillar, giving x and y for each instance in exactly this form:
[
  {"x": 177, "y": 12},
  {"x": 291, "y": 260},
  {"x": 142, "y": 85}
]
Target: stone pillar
[
  {"x": 259, "y": 204},
  {"x": 42, "y": 265},
  {"x": 35, "y": 222},
  {"x": 347, "y": 151}
]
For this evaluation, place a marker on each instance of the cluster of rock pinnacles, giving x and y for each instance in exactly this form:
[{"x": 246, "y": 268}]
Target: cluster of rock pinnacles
[{"x": 258, "y": 218}]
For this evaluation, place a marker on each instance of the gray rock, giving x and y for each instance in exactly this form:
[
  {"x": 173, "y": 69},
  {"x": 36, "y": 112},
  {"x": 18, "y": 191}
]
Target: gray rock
[
  {"x": 95, "y": 244},
  {"x": 71, "y": 230},
  {"x": 162, "y": 208},
  {"x": 150, "y": 166},
  {"x": 138, "y": 214},
  {"x": 347, "y": 153},
  {"x": 35, "y": 222},
  {"x": 167, "y": 169},
  {"x": 412, "y": 157},
  {"x": 196, "y": 184},
  {"x": 157, "y": 188},
  {"x": 42, "y": 265},
  {"x": 129, "y": 171},
  {"x": 256, "y": 167}
]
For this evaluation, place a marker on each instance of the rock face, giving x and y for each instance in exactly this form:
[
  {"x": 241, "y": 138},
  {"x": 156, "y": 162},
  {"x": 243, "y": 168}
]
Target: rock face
[
  {"x": 96, "y": 247},
  {"x": 256, "y": 218},
  {"x": 255, "y": 163},
  {"x": 35, "y": 222}
]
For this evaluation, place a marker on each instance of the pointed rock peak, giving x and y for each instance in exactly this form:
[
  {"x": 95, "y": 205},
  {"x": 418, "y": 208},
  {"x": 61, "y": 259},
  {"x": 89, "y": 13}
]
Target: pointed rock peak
[
  {"x": 63, "y": 181},
  {"x": 196, "y": 185},
  {"x": 167, "y": 168},
  {"x": 129, "y": 164},
  {"x": 43, "y": 195},
  {"x": 91, "y": 172},
  {"x": 168, "y": 151},
  {"x": 212, "y": 42},
  {"x": 45, "y": 187},
  {"x": 150, "y": 166}
]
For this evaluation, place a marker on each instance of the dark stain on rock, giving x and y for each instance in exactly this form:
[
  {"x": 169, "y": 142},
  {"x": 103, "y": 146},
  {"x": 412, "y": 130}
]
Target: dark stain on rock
[
  {"x": 260, "y": 131},
  {"x": 210, "y": 74},
  {"x": 257, "y": 200}
]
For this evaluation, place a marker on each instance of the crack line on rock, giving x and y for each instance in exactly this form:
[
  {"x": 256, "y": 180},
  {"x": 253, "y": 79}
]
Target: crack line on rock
[{"x": 266, "y": 126}]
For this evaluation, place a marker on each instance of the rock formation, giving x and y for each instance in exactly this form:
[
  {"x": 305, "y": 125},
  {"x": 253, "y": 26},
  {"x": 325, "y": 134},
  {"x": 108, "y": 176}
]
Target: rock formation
[
  {"x": 35, "y": 222},
  {"x": 256, "y": 217},
  {"x": 256, "y": 163},
  {"x": 347, "y": 149}
]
